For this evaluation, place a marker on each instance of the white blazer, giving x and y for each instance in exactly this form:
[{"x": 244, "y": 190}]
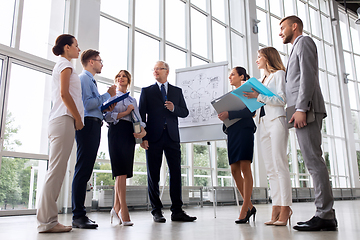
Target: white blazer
[{"x": 274, "y": 106}]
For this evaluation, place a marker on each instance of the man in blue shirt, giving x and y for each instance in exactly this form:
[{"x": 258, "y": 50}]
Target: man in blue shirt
[{"x": 88, "y": 138}]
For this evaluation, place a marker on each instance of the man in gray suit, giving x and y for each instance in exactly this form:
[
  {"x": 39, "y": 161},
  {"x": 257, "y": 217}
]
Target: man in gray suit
[{"x": 303, "y": 92}]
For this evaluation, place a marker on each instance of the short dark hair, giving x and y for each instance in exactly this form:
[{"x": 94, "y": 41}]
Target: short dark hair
[
  {"x": 60, "y": 42},
  {"x": 241, "y": 71},
  {"x": 88, "y": 55},
  {"x": 294, "y": 19}
]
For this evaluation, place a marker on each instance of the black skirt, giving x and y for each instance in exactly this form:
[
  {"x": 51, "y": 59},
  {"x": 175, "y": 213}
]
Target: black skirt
[
  {"x": 121, "y": 148},
  {"x": 240, "y": 143}
]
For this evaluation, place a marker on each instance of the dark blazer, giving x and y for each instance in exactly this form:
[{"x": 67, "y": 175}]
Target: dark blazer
[
  {"x": 246, "y": 120},
  {"x": 154, "y": 113}
]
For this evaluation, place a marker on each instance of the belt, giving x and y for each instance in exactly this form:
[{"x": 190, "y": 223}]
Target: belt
[{"x": 94, "y": 119}]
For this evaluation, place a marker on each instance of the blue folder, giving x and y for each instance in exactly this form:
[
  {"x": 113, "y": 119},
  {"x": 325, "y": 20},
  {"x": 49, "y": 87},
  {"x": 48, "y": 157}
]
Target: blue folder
[
  {"x": 252, "y": 104},
  {"x": 115, "y": 100}
]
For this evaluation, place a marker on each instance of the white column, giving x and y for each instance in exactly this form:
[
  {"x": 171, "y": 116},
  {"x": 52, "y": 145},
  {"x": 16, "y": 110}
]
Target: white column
[
  {"x": 84, "y": 24},
  {"x": 259, "y": 172}
]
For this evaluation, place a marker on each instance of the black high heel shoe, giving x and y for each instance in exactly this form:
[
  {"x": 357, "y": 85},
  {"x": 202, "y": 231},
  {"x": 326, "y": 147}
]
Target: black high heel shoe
[
  {"x": 253, "y": 212},
  {"x": 244, "y": 220}
]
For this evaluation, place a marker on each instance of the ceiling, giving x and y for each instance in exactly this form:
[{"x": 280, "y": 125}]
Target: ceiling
[{"x": 352, "y": 5}]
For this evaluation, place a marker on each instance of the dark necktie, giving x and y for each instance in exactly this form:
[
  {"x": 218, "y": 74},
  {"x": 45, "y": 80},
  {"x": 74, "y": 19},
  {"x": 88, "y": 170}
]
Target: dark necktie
[
  {"x": 163, "y": 92},
  {"x": 94, "y": 82}
]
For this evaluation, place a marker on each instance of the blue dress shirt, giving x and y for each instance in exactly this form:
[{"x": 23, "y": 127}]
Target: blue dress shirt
[
  {"x": 92, "y": 100},
  {"x": 166, "y": 85}
]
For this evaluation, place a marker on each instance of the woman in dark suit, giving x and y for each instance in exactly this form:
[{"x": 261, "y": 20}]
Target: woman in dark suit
[
  {"x": 240, "y": 143},
  {"x": 121, "y": 138}
]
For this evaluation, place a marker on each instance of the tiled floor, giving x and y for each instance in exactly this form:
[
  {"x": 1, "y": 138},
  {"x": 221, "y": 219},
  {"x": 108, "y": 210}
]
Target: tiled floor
[{"x": 206, "y": 227}]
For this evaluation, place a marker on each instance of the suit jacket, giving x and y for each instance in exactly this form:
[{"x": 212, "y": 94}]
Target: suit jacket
[
  {"x": 302, "y": 77},
  {"x": 154, "y": 113},
  {"x": 246, "y": 120},
  {"x": 274, "y": 107}
]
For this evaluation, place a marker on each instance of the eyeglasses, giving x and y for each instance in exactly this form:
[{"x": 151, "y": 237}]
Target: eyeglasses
[
  {"x": 158, "y": 69},
  {"x": 101, "y": 61}
]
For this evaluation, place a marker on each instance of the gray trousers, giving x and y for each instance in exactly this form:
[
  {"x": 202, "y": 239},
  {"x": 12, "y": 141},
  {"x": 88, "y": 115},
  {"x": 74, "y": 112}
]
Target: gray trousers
[{"x": 309, "y": 139}]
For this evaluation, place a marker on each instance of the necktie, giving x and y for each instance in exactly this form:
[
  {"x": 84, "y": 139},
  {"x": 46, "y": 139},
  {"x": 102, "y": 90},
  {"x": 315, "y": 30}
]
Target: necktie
[
  {"x": 163, "y": 92},
  {"x": 94, "y": 82}
]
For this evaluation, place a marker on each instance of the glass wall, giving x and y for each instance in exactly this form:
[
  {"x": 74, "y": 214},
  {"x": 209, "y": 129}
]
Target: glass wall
[
  {"x": 24, "y": 133},
  {"x": 350, "y": 38},
  {"x": 184, "y": 33}
]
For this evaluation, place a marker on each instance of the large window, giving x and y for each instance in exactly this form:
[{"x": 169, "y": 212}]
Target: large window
[
  {"x": 24, "y": 151},
  {"x": 27, "y": 111},
  {"x": 186, "y": 34},
  {"x": 41, "y": 42},
  {"x": 114, "y": 35},
  {"x": 6, "y": 19},
  {"x": 350, "y": 33},
  {"x": 133, "y": 35},
  {"x": 21, "y": 181}
]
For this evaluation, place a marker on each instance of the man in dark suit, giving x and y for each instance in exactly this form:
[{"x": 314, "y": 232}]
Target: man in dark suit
[
  {"x": 303, "y": 91},
  {"x": 160, "y": 106}
]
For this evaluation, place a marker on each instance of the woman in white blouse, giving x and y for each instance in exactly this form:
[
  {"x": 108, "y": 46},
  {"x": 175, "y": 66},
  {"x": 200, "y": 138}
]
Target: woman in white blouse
[
  {"x": 121, "y": 138},
  {"x": 273, "y": 134},
  {"x": 66, "y": 116}
]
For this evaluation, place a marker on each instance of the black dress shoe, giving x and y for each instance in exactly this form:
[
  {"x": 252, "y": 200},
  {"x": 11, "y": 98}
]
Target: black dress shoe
[
  {"x": 301, "y": 223},
  {"x": 159, "y": 217},
  {"x": 317, "y": 224},
  {"x": 182, "y": 217},
  {"x": 84, "y": 222}
]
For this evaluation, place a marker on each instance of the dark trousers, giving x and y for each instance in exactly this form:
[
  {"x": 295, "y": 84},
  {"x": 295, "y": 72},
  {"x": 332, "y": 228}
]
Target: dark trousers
[
  {"x": 153, "y": 162},
  {"x": 88, "y": 141}
]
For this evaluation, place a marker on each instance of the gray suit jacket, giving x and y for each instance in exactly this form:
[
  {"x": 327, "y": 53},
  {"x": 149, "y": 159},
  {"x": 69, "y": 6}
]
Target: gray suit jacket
[{"x": 302, "y": 77}]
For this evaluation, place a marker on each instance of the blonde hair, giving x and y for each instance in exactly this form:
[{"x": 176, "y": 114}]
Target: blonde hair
[{"x": 273, "y": 60}]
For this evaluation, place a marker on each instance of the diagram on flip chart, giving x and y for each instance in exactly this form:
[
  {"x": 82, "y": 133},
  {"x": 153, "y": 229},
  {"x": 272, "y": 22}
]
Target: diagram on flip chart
[{"x": 200, "y": 87}]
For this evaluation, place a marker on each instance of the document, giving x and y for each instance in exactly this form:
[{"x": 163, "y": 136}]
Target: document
[
  {"x": 252, "y": 104},
  {"x": 115, "y": 100},
  {"x": 310, "y": 115},
  {"x": 136, "y": 125},
  {"x": 228, "y": 102}
]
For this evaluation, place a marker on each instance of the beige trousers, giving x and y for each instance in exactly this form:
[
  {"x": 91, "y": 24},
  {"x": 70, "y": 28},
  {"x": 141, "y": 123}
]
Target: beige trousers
[{"x": 61, "y": 137}]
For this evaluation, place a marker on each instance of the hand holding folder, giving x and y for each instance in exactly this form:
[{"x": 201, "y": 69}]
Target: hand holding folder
[
  {"x": 115, "y": 100},
  {"x": 252, "y": 104},
  {"x": 228, "y": 102}
]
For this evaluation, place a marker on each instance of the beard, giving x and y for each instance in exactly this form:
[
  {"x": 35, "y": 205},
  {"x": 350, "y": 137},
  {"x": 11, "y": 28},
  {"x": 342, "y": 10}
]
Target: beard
[{"x": 287, "y": 39}]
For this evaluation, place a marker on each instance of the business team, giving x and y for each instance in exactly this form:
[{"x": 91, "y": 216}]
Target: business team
[{"x": 160, "y": 106}]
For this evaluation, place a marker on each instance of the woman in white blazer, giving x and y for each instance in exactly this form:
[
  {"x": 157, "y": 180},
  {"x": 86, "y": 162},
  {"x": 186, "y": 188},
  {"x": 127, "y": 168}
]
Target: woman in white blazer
[{"x": 273, "y": 134}]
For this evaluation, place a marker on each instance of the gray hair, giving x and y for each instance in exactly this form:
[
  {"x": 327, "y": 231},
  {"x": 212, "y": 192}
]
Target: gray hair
[{"x": 164, "y": 63}]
